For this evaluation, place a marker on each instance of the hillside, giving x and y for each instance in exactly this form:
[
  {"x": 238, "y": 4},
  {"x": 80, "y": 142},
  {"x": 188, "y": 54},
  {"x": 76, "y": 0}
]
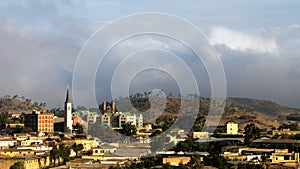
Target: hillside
[
  {"x": 264, "y": 106},
  {"x": 242, "y": 110},
  {"x": 262, "y": 112},
  {"x": 14, "y": 105}
]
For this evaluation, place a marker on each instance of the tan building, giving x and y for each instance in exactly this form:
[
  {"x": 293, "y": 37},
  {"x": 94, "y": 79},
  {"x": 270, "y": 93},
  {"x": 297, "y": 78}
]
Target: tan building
[{"x": 40, "y": 121}]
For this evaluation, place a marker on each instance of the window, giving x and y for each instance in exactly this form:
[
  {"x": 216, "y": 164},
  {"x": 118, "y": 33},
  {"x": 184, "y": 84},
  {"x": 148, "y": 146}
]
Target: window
[{"x": 286, "y": 158}]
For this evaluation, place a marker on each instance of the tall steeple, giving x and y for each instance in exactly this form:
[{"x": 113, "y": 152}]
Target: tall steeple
[
  {"x": 68, "y": 100},
  {"x": 68, "y": 114}
]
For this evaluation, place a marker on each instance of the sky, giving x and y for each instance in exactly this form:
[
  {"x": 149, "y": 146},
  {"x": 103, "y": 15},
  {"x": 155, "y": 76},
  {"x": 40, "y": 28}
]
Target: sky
[{"x": 257, "y": 42}]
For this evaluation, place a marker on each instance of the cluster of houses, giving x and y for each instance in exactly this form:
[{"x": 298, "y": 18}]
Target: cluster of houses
[
  {"x": 277, "y": 152},
  {"x": 33, "y": 150}
]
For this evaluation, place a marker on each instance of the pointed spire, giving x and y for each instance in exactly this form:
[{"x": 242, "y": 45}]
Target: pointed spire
[{"x": 68, "y": 100}]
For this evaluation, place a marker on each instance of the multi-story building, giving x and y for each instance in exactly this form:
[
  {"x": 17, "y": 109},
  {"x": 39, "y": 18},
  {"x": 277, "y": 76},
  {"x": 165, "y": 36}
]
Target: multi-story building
[
  {"x": 135, "y": 120},
  {"x": 40, "y": 121},
  {"x": 116, "y": 120}
]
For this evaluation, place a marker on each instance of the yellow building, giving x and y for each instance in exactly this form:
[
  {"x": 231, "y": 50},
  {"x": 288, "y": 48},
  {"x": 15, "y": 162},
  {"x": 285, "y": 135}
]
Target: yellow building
[
  {"x": 17, "y": 153},
  {"x": 21, "y": 136},
  {"x": 175, "y": 161},
  {"x": 87, "y": 144},
  {"x": 282, "y": 156},
  {"x": 29, "y": 163},
  {"x": 232, "y": 128},
  {"x": 200, "y": 134},
  {"x": 99, "y": 151}
]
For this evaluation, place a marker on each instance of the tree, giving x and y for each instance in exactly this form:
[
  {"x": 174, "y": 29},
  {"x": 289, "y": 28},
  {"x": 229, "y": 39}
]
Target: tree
[
  {"x": 216, "y": 161},
  {"x": 54, "y": 155},
  {"x": 26, "y": 130},
  {"x": 128, "y": 129},
  {"x": 3, "y": 118},
  {"x": 18, "y": 129},
  {"x": 150, "y": 161},
  {"x": 17, "y": 165},
  {"x": 64, "y": 153},
  {"x": 77, "y": 148},
  {"x": 248, "y": 166},
  {"x": 264, "y": 161},
  {"x": 78, "y": 128},
  {"x": 195, "y": 161},
  {"x": 251, "y": 132},
  {"x": 167, "y": 166},
  {"x": 294, "y": 127}
]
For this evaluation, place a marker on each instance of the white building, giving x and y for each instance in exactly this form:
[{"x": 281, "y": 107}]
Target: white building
[
  {"x": 7, "y": 143},
  {"x": 36, "y": 148},
  {"x": 131, "y": 119},
  {"x": 135, "y": 120}
]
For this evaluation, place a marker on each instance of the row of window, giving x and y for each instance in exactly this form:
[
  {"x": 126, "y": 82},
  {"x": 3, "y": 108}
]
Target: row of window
[
  {"x": 45, "y": 117},
  {"x": 45, "y": 121}
]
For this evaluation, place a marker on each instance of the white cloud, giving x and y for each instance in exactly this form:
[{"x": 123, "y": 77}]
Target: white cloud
[{"x": 237, "y": 40}]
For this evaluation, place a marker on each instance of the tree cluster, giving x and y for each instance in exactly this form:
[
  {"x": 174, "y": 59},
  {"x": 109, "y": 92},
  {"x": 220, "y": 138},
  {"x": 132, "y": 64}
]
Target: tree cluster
[
  {"x": 62, "y": 152},
  {"x": 251, "y": 132}
]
